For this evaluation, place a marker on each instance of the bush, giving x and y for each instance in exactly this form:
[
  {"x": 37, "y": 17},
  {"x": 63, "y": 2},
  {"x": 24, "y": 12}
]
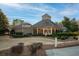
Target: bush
[
  {"x": 18, "y": 49},
  {"x": 66, "y": 35},
  {"x": 20, "y": 34},
  {"x": 1, "y": 32},
  {"x": 54, "y": 34},
  {"x": 28, "y": 34},
  {"x": 17, "y": 34},
  {"x": 35, "y": 47},
  {"x": 75, "y": 38}
]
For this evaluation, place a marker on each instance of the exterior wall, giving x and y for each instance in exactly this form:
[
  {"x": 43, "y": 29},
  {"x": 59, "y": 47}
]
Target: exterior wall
[
  {"x": 18, "y": 30},
  {"x": 34, "y": 31},
  {"x": 37, "y": 31},
  {"x": 25, "y": 29}
]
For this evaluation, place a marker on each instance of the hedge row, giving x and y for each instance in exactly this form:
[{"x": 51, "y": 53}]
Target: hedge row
[{"x": 67, "y": 34}]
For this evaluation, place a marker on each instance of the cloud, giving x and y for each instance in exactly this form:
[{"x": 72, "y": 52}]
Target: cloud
[
  {"x": 14, "y": 5},
  {"x": 29, "y": 6},
  {"x": 68, "y": 11},
  {"x": 33, "y": 12}
]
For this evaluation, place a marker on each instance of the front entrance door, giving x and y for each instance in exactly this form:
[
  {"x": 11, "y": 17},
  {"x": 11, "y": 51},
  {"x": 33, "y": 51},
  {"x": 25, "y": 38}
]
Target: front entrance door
[{"x": 47, "y": 32}]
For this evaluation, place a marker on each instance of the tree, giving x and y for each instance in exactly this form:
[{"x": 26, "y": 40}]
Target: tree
[
  {"x": 71, "y": 25},
  {"x": 74, "y": 26},
  {"x": 17, "y": 21},
  {"x": 3, "y": 22},
  {"x": 66, "y": 22}
]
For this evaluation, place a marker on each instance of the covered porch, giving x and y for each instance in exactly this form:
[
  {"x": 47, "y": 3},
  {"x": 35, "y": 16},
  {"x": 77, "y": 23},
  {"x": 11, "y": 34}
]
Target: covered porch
[{"x": 44, "y": 31}]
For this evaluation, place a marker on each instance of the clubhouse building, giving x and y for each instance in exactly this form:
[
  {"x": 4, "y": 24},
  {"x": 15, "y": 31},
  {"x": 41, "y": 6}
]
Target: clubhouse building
[{"x": 43, "y": 27}]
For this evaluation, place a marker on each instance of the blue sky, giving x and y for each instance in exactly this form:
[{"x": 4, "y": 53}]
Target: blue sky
[{"x": 32, "y": 12}]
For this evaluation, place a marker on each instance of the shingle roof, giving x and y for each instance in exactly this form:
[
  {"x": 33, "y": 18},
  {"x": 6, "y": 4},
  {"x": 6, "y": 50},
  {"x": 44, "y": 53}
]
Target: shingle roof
[
  {"x": 26, "y": 24},
  {"x": 46, "y": 23},
  {"x": 20, "y": 26},
  {"x": 46, "y": 15}
]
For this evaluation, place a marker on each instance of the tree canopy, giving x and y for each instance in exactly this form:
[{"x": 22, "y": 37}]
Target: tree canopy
[
  {"x": 70, "y": 24},
  {"x": 3, "y": 22}
]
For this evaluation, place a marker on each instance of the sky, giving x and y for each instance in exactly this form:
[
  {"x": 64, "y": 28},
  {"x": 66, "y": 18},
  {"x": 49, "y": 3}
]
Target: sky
[{"x": 32, "y": 12}]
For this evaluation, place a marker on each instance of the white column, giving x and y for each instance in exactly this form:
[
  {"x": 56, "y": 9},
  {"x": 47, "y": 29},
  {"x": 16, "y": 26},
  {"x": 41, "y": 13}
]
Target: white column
[
  {"x": 46, "y": 33},
  {"x": 78, "y": 37},
  {"x": 51, "y": 30},
  {"x": 43, "y": 31},
  {"x": 22, "y": 29},
  {"x": 56, "y": 42}
]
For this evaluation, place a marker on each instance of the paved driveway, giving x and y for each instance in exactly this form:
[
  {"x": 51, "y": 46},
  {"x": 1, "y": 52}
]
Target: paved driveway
[{"x": 7, "y": 42}]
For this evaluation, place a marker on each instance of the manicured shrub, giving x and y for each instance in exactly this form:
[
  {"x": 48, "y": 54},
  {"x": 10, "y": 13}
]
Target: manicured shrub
[
  {"x": 18, "y": 49},
  {"x": 34, "y": 47},
  {"x": 66, "y": 35}
]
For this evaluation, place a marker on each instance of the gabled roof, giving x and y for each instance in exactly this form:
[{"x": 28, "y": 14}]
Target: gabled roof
[
  {"x": 46, "y": 15},
  {"x": 45, "y": 23},
  {"x": 26, "y": 24}
]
